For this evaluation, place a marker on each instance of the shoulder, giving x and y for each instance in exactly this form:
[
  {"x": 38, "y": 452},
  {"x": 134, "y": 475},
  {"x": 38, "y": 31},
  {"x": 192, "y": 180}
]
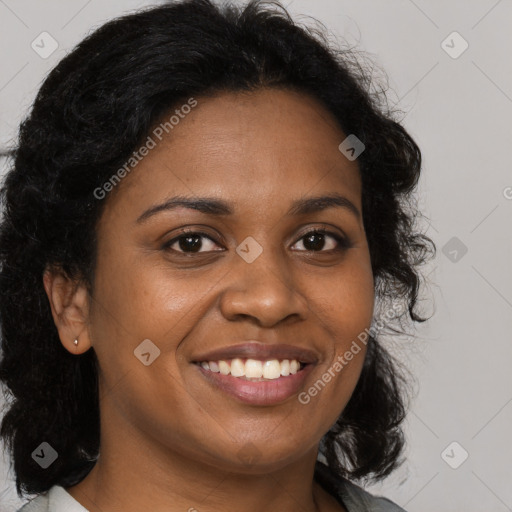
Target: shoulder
[
  {"x": 57, "y": 499},
  {"x": 353, "y": 497},
  {"x": 37, "y": 504},
  {"x": 361, "y": 499}
]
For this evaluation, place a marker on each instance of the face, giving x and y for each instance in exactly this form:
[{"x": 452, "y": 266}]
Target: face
[{"x": 195, "y": 280}]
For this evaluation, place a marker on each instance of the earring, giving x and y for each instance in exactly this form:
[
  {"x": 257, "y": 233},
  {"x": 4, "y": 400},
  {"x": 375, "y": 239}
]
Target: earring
[{"x": 76, "y": 341}]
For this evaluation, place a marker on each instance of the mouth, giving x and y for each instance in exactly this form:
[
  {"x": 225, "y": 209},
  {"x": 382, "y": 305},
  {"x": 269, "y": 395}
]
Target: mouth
[
  {"x": 257, "y": 373},
  {"x": 254, "y": 370},
  {"x": 256, "y": 382}
]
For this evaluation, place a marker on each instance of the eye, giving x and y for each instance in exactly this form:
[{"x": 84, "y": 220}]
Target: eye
[
  {"x": 190, "y": 242},
  {"x": 317, "y": 239}
]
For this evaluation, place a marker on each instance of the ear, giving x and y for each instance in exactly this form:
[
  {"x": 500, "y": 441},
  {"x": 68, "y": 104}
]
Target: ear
[{"x": 69, "y": 302}]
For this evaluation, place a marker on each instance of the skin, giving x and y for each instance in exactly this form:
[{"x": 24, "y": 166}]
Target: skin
[{"x": 169, "y": 440}]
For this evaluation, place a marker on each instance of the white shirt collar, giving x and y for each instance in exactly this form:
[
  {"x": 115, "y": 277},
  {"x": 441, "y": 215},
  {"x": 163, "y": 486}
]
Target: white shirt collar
[{"x": 59, "y": 500}]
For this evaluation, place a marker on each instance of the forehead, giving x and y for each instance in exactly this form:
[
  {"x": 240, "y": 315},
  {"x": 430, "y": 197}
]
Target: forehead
[{"x": 263, "y": 146}]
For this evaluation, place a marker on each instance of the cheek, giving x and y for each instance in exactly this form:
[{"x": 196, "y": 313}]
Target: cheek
[
  {"x": 141, "y": 298},
  {"x": 344, "y": 306},
  {"x": 137, "y": 301},
  {"x": 344, "y": 300}
]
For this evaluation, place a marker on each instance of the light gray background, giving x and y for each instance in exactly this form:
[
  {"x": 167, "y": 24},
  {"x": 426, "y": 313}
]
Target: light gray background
[{"x": 458, "y": 110}]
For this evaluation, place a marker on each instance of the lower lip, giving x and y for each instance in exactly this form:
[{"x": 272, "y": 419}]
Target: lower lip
[{"x": 267, "y": 392}]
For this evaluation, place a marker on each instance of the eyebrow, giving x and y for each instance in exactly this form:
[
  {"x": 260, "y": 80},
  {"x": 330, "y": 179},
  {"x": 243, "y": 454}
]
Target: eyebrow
[{"x": 214, "y": 206}]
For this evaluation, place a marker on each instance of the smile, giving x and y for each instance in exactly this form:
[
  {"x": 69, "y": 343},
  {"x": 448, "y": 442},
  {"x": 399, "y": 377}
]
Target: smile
[
  {"x": 254, "y": 381},
  {"x": 254, "y": 369}
]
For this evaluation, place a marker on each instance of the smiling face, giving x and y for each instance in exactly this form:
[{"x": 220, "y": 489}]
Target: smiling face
[{"x": 263, "y": 155}]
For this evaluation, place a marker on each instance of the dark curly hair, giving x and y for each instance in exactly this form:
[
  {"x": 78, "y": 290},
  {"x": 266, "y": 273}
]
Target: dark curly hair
[{"x": 92, "y": 111}]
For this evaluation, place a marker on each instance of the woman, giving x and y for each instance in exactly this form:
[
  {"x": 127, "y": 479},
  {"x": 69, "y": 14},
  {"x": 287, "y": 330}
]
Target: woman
[{"x": 204, "y": 222}]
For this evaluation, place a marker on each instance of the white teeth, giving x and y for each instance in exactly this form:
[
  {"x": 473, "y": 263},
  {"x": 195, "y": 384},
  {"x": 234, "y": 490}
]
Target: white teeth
[
  {"x": 214, "y": 367},
  {"x": 271, "y": 369},
  {"x": 237, "y": 368},
  {"x": 254, "y": 368},
  {"x": 224, "y": 368}
]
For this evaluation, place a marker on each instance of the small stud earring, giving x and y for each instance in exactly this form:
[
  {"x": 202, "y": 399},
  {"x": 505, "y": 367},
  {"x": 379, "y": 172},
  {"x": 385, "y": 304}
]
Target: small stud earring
[{"x": 76, "y": 341}]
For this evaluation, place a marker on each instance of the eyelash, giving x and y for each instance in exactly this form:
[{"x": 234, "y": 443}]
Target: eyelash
[{"x": 343, "y": 243}]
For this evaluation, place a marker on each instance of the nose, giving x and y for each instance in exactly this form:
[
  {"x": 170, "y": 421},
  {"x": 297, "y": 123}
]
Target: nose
[{"x": 264, "y": 291}]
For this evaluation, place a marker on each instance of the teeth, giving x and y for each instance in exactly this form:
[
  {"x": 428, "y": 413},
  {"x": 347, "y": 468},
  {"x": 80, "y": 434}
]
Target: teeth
[
  {"x": 253, "y": 369},
  {"x": 224, "y": 368},
  {"x": 213, "y": 366},
  {"x": 271, "y": 369},
  {"x": 237, "y": 368}
]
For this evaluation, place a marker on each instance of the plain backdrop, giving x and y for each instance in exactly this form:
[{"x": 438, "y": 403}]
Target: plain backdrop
[{"x": 449, "y": 70}]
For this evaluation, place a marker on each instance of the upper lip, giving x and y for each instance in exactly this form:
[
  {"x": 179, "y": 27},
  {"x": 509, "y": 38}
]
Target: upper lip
[{"x": 258, "y": 350}]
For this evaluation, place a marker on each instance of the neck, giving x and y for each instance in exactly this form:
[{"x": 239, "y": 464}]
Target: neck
[{"x": 147, "y": 476}]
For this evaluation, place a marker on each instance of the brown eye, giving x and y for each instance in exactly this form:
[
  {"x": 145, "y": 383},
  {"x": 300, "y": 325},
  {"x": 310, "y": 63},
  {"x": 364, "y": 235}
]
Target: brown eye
[
  {"x": 190, "y": 242},
  {"x": 318, "y": 239}
]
